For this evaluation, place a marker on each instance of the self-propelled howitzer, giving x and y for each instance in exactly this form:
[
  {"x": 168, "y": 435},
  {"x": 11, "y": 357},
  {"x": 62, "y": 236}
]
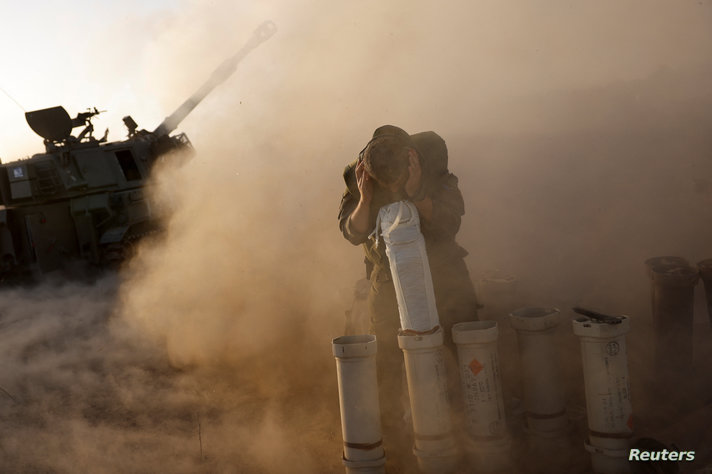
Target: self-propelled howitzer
[{"x": 85, "y": 199}]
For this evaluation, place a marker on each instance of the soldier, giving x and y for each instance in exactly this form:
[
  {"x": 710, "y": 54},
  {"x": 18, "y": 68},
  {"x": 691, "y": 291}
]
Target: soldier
[{"x": 396, "y": 166}]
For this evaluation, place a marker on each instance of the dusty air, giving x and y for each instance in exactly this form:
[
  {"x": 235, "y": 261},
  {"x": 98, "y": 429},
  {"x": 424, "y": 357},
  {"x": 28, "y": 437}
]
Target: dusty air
[{"x": 376, "y": 237}]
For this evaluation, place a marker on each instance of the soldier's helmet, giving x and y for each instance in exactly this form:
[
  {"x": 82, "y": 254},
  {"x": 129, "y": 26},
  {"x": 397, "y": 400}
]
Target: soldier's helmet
[{"x": 385, "y": 156}]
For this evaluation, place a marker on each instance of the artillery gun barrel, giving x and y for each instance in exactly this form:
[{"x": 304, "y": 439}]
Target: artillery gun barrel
[{"x": 225, "y": 70}]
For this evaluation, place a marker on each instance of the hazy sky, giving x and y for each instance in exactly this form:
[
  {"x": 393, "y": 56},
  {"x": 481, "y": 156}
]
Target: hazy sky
[{"x": 458, "y": 59}]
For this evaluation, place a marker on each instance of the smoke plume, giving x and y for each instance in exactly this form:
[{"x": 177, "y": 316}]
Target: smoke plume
[{"x": 580, "y": 134}]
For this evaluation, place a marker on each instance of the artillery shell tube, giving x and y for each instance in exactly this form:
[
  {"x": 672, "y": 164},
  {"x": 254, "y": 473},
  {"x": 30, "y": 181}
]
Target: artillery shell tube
[
  {"x": 542, "y": 382},
  {"x": 358, "y": 398},
  {"x": 489, "y": 445},
  {"x": 705, "y": 267},
  {"x": 605, "y": 373},
  {"x": 405, "y": 247},
  {"x": 660, "y": 264},
  {"x": 673, "y": 306},
  {"x": 427, "y": 386}
]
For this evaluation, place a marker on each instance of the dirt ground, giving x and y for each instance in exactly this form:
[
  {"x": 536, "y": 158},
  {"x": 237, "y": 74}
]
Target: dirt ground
[{"x": 82, "y": 392}]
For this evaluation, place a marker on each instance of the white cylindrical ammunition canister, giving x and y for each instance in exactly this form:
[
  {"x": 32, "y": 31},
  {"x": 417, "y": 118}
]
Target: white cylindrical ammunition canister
[
  {"x": 435, "y": 446},
  {"x": 488, "y": 447},
  {"x": 405, "y": 247},
  {"x": 542, "y": 380},
  {"x": 608, "y": 404},
  {"x": 358, "y": 399}
]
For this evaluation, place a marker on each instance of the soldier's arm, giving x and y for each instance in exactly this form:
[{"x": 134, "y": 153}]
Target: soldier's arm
[
  {"x": 413, "y": 188},
  {"x": 347, "y": 210},
  {"x": 354, "y": 211},
  {"x": 446, "y": 209},
  {"x": 425, "y": 208}
]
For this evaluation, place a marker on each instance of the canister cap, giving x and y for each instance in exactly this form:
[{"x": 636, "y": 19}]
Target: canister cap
[
  {"x": 475, "y": 332},
  {"x": 534, "y": 318},
  {"x": 678, "y": 276},
  {"x": 589, "y": 327},
  {"x": 361, "y": 345},
  {"x": 664, "y": 262}
]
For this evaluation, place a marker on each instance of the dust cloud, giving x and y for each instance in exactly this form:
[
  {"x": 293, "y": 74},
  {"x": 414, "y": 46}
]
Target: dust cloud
[{"x": 580, "y": 134}]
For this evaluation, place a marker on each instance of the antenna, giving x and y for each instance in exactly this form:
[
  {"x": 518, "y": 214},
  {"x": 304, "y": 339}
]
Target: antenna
[{"x": 13, "y": 99}]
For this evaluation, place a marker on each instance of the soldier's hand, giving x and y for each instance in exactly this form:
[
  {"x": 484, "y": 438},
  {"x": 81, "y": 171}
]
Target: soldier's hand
[
  {"x": 415, "y": 175},
  {"x": 365, "y": 183}
]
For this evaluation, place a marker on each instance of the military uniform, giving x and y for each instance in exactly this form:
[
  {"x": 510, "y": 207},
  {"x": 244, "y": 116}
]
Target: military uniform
[{"x": 454, "y": 292}]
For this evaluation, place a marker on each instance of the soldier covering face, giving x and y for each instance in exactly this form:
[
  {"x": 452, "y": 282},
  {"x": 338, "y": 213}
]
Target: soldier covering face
[{"x": 396, "y": 166}]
